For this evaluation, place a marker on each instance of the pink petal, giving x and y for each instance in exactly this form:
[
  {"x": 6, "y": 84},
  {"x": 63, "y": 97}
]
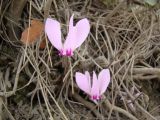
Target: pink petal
[
  {"x": 103, "y": 80},
  {"x": 95, "y": 86},
  {"x": 83, "y": 82},
  {"x": 82, "y": 31},
  {"x": 77, "y": 34},
  {"x": 53, "y": 31},
  {"x": 88, "y": 77},
  {"x": 70, "y": 39},
  {"x": 71, "y": 22}
]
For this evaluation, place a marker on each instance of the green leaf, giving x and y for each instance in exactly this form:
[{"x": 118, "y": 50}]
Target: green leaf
[{"x": 151, "y": 2}]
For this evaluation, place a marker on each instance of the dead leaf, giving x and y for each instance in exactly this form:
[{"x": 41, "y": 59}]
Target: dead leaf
[
  {"x": 42, "y": 44},
  {"x": 35, "y": 31}
]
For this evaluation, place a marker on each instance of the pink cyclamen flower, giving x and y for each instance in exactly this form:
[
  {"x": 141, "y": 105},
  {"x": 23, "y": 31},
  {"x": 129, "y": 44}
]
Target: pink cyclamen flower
[
  {"x": 97, "y": 86},
  {"x": 76, "y": 35}
]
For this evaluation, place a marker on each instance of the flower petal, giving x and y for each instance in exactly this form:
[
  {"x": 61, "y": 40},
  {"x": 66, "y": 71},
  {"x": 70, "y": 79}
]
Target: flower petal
[
  {"x": 77, "y": 34},
  {"x": 83, "y": 82},
  {"x": 53, "y": 31},
  {"x": 103, "y": 80},
  {"x": 70, "y": 39},
  {"x": 95, "y": 86},
  {"x": 82, "y": 31},
  {"x": 88, "y": 77}
]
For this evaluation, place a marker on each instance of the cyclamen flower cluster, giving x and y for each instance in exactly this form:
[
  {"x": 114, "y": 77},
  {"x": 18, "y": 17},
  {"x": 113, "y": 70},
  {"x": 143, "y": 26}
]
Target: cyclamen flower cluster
[
  {"x": 95, "y": 87},
  {"x": 77, "y": 34}
]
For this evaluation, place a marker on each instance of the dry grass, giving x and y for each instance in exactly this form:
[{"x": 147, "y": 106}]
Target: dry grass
[{"x": 39, "y": 84}]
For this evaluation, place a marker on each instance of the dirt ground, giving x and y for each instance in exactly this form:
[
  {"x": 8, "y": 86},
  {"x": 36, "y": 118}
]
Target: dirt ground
[{"x": 38, "y": 84}]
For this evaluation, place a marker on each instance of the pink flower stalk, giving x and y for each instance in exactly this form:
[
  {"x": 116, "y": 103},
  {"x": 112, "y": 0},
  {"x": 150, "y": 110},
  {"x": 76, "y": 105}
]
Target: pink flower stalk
[
  {"x": 76, "y": 35},
  {"x": 97, "y": 86}
]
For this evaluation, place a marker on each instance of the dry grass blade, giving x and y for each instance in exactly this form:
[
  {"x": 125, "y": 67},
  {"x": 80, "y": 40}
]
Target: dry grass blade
[{"x": 15, "y": 12}]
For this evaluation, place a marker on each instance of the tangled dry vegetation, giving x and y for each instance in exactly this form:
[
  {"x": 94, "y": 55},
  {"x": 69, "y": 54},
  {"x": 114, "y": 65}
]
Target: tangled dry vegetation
[{"x": 38, "y": 84}]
